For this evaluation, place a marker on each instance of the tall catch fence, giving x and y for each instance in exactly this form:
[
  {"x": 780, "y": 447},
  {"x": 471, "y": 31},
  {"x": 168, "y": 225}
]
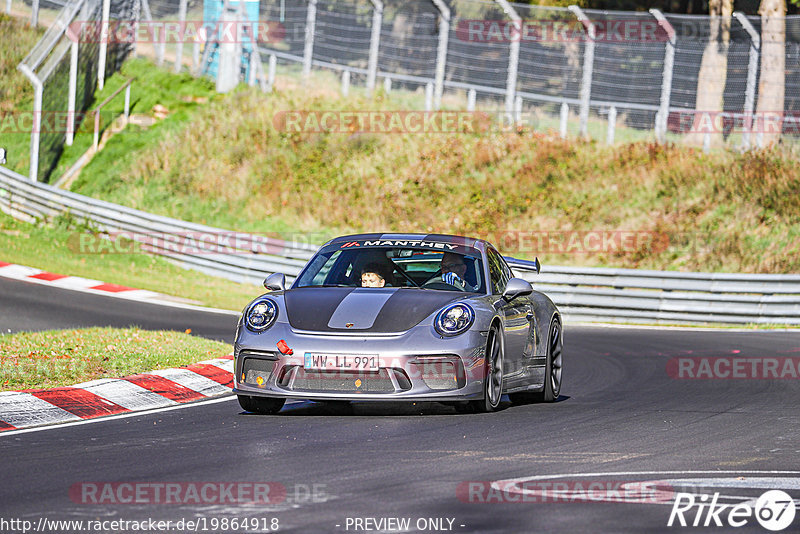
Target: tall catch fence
[{"x": 64, "y": 68}]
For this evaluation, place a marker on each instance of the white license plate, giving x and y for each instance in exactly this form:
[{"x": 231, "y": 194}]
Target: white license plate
[{"x": 341, "y": 362}]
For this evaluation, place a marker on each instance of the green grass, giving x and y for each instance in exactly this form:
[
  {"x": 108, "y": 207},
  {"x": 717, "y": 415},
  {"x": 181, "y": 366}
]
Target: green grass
[
  {"x": 180, "y": 94},
  {"x": 31, "y": 360},
  {"x": 55, "y": 248}
]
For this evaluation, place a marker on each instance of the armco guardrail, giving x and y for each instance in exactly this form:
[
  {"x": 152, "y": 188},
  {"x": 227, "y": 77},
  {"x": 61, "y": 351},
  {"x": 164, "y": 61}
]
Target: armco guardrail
[{"x": 591, "y": 294}]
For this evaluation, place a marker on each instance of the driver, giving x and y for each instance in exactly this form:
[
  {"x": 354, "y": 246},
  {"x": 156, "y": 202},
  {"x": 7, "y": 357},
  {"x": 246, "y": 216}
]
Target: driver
[{"x": 453, "y": 271}]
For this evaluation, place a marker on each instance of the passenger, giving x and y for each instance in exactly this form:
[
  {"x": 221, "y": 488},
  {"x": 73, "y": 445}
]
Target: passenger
[{"x": 373, "y": 276}]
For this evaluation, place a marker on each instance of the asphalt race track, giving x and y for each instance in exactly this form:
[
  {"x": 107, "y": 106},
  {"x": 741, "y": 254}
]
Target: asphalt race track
[
  {"x": 623, "y": 421},
  {"x": 26, "y": 306}
]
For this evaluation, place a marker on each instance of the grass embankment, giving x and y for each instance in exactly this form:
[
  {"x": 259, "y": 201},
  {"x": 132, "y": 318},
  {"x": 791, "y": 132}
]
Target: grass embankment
[
  {"x": 17, "y": 38},
  {"x": 226, "y": 165},
  {"x": 55, "y": 248},
  {"x": 67, "y": 357}
]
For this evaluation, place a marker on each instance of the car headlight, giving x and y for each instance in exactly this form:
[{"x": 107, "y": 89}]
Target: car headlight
[
  {"x": 454, "y": 319},
  {"x": 260, "y": 315}
]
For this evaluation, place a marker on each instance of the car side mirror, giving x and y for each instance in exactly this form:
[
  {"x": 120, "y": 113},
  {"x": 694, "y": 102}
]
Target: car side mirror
[
  {"x": 517, "y": 287},
  {"x": 275, "y": 282}
]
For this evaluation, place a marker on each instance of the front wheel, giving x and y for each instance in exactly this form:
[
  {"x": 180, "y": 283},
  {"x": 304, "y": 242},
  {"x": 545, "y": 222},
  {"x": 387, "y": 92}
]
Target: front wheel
[
  {"x": 493, "y": 381},
  {"x": 261, "y": 405}
]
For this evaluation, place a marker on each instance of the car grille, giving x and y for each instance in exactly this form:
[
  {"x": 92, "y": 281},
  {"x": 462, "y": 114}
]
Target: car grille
[{"x": 296, "y": 378}]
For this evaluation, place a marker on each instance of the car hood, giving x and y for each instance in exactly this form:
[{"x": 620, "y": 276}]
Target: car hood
[{"x": 366, "y": 310}]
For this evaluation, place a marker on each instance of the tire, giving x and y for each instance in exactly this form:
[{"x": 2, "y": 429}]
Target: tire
[
  {"x": 493, "y": 383},
  {"x": 261, "y": 405},
  {"x": 552, "y": 373}
]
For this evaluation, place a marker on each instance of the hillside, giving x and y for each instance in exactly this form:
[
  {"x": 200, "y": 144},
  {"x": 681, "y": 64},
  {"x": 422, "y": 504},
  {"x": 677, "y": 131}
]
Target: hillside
[{"x": 570, "y": 202}]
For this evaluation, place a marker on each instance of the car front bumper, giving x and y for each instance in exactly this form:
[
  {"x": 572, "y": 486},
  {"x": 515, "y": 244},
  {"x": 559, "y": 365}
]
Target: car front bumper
[{"x": 418, "y": 365}]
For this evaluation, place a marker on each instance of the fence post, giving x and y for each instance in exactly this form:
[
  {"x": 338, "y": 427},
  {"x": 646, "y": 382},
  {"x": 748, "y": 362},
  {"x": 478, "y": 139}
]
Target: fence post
[
  {"x": 387, "y": 85},
  {"x": 752, "y": 72},
  {"x": 472, "y": 97},
  {"x": 8, "y": 7},
  {"x": 311, "y": 28},
  {"x": 662, "y": 117},
  {"x": 72, "y": 91},
  {"x": 564, "y": 120},
  {"x": 37, "y": 120},
  {"x": 196, "y": 57},
  {"x": 35, "y": 13},
  {"x": 513, "y": 55},
  {"x": 428, "y": 97},
  {"x": 101, "y": 65},
  {"x": 374, "y": 45},
  {"x": 517, "y": 110},
  {"x": 273, "y": 67},
  {"x": 345, "y": 83},
  {"x": 441, "y": 52},
  {"x": 157, "y": 47},
  {"x": 179, "y": 44},
  {"x": 612, "y": 125},
  {"x": 588, "y": 67}
]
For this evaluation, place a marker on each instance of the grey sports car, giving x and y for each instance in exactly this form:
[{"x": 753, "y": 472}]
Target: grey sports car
[{"x": 390, "y": 317}]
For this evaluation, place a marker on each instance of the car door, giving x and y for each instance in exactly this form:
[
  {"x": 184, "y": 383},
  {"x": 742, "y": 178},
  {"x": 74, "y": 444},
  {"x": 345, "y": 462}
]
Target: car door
[{"x": 516, "y": 316}]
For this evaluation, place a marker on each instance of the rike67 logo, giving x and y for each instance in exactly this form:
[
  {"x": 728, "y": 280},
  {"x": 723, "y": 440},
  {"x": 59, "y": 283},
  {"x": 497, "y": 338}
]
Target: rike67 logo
[{"x": 774, "y": 510}]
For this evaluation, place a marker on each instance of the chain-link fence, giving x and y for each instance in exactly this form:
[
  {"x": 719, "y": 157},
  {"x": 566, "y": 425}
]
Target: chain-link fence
[
  {"x": 63, "y": 68},
  {"x": 654, "y": 75}
]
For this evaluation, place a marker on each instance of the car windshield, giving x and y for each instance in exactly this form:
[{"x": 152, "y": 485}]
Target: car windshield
[{"x": 390, "y": 266}]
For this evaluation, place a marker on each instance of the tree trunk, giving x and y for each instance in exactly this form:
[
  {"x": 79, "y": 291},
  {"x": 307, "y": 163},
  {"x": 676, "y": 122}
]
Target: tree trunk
[
  {"x": 773, "y": 70},
  {"x": 713, "y": 73}
]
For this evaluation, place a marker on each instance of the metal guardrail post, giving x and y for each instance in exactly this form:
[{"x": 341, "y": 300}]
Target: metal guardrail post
[
  {"x": 345, "y": 83},
  {"x": 513, "y": 55},
  {"x": 588, "y": 68},
  {"x": 101, "y": 65},
  {"x": 8, "y": 7},
  {"x": 374, "y": 45},
  {"x": 662, "y": 117},
  {"x": 179, "y": 44},
  {"x": 472, "y": 97},
  {"x": 35, "y": 13},
  {"x": 37, "y": 120},
  {"x": 311, "y": 28},
  {"x": 752, "y": 72},
  {"x": 441, "y": 52}
]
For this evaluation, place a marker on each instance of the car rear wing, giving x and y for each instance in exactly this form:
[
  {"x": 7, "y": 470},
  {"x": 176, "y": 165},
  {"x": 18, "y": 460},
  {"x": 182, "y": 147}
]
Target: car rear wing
[{"x": 524, "y": 265}]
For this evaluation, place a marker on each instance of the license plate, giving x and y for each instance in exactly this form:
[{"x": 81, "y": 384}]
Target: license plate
[{"x": 341, "y": 362}]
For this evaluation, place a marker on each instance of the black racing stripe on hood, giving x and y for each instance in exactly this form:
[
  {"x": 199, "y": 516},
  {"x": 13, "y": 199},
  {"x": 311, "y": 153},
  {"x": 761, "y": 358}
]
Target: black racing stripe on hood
[
  {"x": 310, "y": 308},
  {"x": 407, "y": 307}
]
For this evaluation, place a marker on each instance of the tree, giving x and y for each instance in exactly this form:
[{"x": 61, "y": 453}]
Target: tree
[
  {"x": 713, "y": 73},
  {"x": 771, "y": 87}
]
